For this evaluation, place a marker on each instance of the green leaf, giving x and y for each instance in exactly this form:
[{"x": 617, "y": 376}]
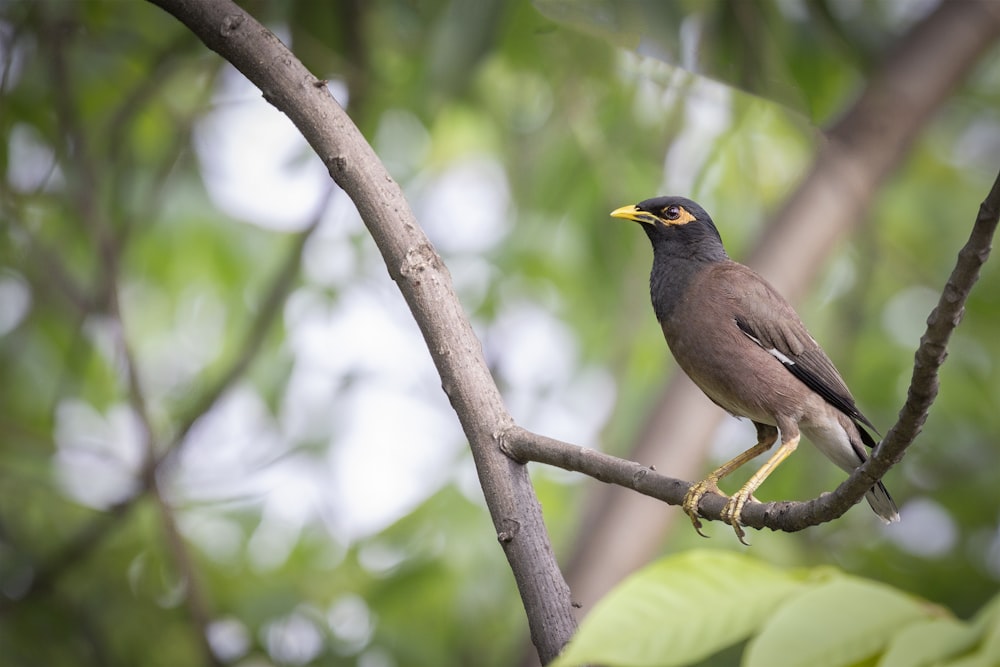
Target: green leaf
[
  {"x": 841, "y": 622},
  {"x": 928, "y": 643},
  {"x": 988, "y": 618},
  {"x": 681, "y": 609},
  {"x": 986, "y": 626}
]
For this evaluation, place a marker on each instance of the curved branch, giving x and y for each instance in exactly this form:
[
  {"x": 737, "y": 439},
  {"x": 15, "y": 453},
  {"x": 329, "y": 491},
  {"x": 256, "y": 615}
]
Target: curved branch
[
  {"x": 931, "y": 353},
  {"x": 426, "y": 285},
  {"x": 787, "y": 515}
]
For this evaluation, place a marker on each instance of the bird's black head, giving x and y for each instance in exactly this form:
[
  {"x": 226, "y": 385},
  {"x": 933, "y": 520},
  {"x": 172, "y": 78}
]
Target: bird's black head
[{"x": 677, "y": 227}]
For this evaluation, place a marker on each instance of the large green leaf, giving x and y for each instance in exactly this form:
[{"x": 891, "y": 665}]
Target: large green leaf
[
  {"x": 681, "y": 609},
  {"x": 841, "y": 622},
  {"x": 928, "y": 643},
  {"x": 986, "y": 627}
]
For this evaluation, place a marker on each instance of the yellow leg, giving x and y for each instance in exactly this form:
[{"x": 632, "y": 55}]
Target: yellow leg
[
  {"x": 766, "y": 436},
  {"x": 734, "y": 507}
]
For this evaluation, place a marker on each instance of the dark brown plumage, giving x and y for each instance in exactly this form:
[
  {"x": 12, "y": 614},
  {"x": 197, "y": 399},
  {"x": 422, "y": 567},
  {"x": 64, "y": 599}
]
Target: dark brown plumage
[{"x": 743, "y": 344}]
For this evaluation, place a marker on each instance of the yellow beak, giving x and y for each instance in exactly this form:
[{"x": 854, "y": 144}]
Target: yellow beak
[{"x": 631, "y": 212}]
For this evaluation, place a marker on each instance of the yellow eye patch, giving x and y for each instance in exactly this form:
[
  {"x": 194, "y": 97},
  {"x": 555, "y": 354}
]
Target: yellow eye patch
[{"x": 675, "y": 215}]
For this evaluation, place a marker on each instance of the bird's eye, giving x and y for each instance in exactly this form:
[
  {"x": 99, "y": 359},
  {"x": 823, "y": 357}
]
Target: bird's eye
[{"x": 672, "y": 212}]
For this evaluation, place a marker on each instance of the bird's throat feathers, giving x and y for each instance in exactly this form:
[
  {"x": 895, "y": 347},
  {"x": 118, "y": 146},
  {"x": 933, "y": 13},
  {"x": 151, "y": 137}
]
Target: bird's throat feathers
[{"x": 679, "y": 253}]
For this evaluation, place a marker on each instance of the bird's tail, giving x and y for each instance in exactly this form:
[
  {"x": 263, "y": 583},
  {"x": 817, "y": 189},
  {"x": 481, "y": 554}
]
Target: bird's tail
[
  {"x": 880, "y": 500},
  {"x": 878, "y": 496}
]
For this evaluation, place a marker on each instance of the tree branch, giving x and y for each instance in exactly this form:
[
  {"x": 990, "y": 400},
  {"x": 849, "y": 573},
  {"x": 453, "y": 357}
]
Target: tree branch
[
  {"x": 194, "y": 599},
  {"x": 73, "y": 552},
  {"x": 426, "y": 285},
  {"x": 931, "y": 353},
  {"x": 787, "y": 515}
]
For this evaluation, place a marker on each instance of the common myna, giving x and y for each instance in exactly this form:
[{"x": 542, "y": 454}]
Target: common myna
[{"x": 744, "y": 346}]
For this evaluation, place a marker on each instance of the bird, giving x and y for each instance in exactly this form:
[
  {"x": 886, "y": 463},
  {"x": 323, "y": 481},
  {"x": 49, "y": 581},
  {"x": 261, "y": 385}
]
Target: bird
[{"x": 747, "y": 349}]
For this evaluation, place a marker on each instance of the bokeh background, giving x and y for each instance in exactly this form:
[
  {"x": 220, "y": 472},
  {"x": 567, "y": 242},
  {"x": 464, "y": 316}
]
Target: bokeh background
[{"x": 221, "y": 438}]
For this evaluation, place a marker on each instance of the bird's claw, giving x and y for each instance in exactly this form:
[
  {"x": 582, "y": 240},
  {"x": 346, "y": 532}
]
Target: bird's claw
[
  {"x": 733, "y": 510},
  {"x": 731, "y": 515},
  {"x": 694, "y": 496}
]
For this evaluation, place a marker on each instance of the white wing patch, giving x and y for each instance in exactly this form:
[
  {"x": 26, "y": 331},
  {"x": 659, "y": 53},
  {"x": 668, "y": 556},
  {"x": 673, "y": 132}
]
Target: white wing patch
[
  {"x": 774, "y": 352},
  {"x": 780, "y": 357}
]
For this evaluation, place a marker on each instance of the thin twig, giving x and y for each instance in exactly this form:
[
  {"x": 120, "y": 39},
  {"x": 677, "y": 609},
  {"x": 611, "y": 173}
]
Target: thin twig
[
  {"x": 72, "y": 553},
  {"x": 931, "y": 353},
  {"x": 194, "y": 598}
]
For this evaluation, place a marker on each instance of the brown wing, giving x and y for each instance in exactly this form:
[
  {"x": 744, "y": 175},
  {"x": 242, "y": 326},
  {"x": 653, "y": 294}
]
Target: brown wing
[{"x": 769, "y": 320}]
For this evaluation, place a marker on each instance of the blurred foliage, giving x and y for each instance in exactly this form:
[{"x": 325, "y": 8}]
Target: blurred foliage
[{"x": 152, "y": 378}]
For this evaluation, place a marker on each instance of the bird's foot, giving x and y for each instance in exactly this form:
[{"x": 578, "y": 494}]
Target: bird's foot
[
  {"x": 733, "y": 510},
  {"x": 694, "y": 496}
]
